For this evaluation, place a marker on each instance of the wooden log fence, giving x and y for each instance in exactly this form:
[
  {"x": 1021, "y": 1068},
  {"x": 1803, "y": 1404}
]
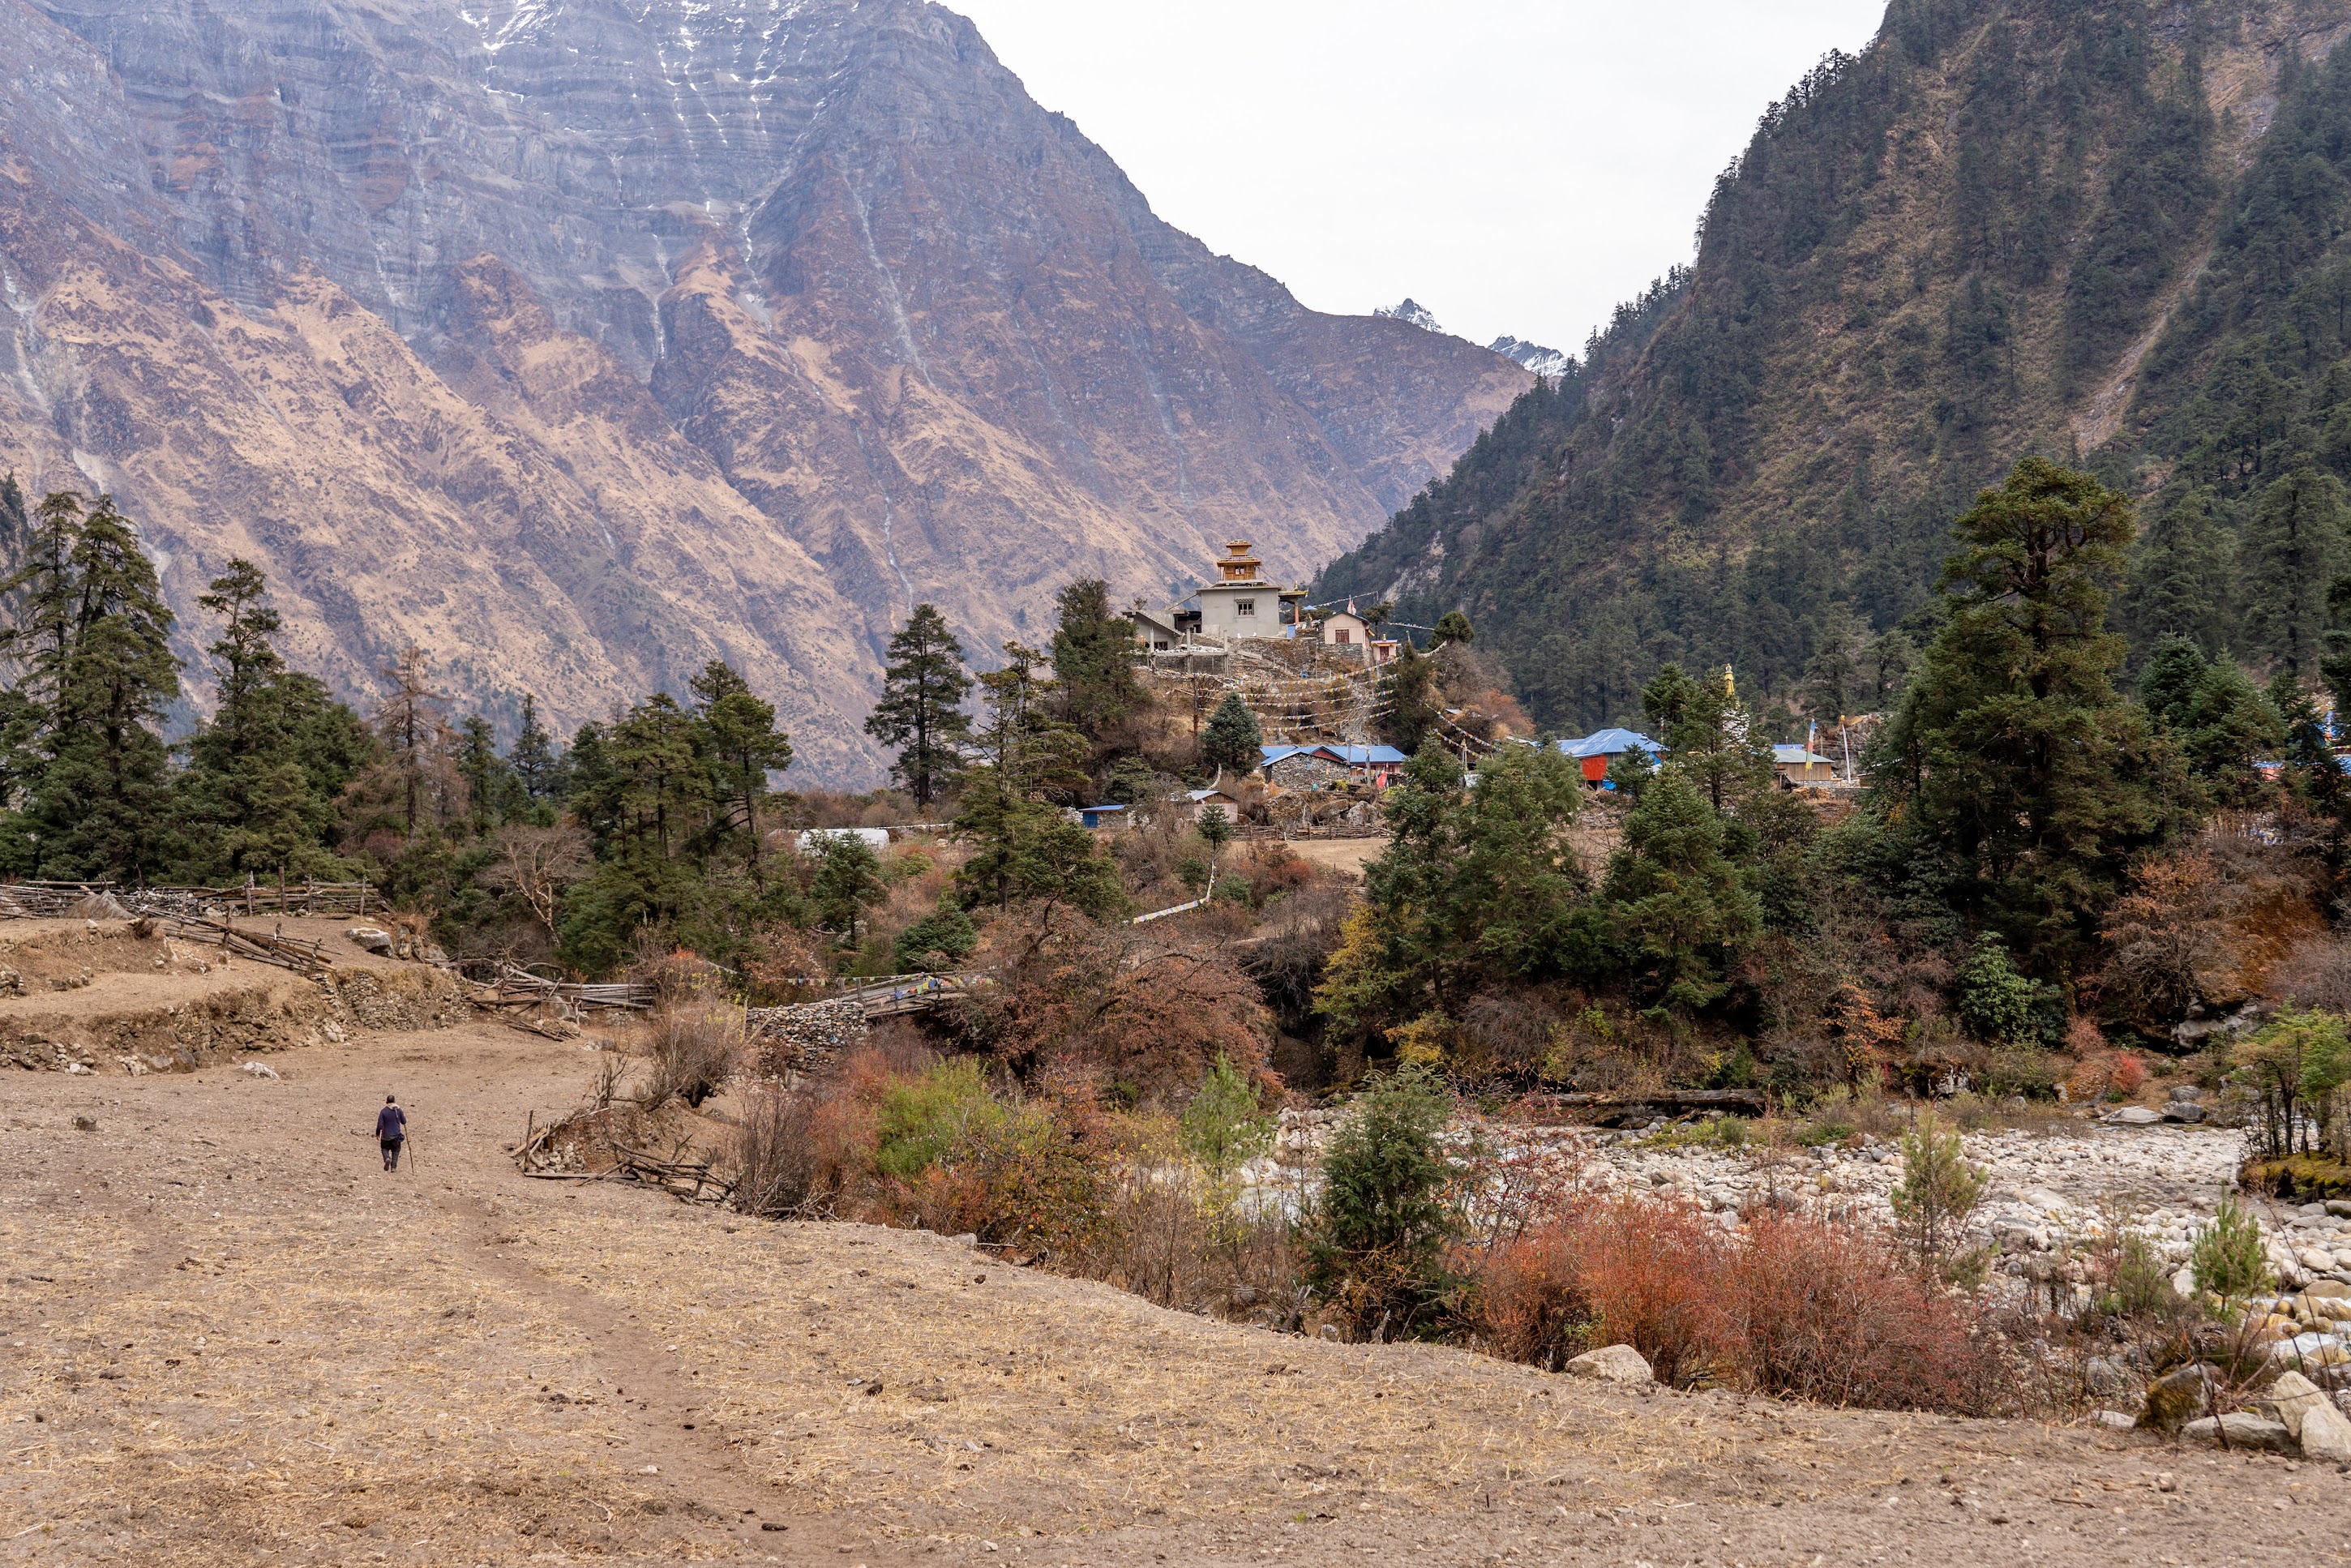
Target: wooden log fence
[
  {"x": 20, "y": 900},
  {"x": 518, "y": 987},
  {"x": 296, "y": 953}
]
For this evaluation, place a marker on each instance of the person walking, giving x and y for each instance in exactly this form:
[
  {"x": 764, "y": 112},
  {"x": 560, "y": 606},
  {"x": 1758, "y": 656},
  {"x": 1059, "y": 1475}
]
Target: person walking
[{"x": 391, "y": 1131}]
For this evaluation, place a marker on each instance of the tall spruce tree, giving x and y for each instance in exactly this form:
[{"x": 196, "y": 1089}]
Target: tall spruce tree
[
  {"x": 1096, "y": 687},
  {"x": 533, "y": 757},
  {"x": 2290, "y": 550},
  {"x": 257, "y": 798},
  {"x": 93, "y": 639},
  {"x": 923, "y": 685},
  {"x": 744, "y": 745},
  {"x": 2011, "y": 762},
  {"x": 1022, "y": 847}
]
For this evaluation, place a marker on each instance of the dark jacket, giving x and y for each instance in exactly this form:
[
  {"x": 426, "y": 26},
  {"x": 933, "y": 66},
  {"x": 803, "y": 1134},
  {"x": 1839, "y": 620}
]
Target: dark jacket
[{"x": 390, "y": 1124}]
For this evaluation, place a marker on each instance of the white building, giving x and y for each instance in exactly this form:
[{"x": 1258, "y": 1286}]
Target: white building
[{"x": 1241, "y": 603}]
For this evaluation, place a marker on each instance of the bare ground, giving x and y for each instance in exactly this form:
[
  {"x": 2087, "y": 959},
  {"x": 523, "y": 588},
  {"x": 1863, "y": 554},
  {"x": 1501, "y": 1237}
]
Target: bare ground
[{"x": 227, "y": 1337}]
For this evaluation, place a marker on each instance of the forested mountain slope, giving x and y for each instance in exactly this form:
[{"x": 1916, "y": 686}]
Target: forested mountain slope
[
  {"x": 584, "y": 342},
  {"x": 2096, "y": 229}
]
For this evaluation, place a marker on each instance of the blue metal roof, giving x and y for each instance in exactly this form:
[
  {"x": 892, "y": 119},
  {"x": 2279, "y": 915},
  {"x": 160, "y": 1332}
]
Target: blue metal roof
[
  {"x": 1788, "y": 753},
  {"x": 1611, "y": 743}
]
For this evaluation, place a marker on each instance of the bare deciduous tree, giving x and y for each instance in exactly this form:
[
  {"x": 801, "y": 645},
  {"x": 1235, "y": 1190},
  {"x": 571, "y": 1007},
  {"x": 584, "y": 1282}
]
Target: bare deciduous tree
[{"x": 535, "y": 864}]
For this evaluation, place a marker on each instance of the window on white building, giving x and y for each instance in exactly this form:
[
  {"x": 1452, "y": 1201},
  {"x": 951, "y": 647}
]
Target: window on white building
[{"x": 1244, "y": 606}]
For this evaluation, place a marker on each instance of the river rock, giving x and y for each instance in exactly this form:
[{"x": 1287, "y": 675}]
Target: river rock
[
  {"x": 1611, "y": 1364},
  {"x": 2244, "y": 1430},
  {"x": 2177, "y": 1397}
]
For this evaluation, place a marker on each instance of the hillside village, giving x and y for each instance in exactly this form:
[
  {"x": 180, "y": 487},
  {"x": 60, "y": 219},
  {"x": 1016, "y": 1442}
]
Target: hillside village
[{"x": 739, "y": 825}]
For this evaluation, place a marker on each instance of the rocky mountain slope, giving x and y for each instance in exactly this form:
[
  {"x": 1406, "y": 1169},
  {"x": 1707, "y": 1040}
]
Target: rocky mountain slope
[
  {"x": 2067, "y": 227},
  {"x": 582, "y": 341}
]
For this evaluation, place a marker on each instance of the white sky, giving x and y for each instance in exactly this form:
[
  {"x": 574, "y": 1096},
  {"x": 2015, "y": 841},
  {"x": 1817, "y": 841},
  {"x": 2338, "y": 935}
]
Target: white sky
[{"x": 1515, "y": 165}]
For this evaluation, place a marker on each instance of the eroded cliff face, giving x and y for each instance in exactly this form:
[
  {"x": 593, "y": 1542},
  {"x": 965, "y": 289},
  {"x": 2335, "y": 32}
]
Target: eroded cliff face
[{"x": 583, "y": 341}]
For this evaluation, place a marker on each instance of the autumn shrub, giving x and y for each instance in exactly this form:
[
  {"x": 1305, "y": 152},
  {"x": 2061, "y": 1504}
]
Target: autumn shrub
[
  {"x": 1796, "y": 1305},
  {"x": 1817, "y": 1308},
  {"x": 1650, "y": 1271},
  {"x": 1144, "y": 1008},
  {"x": 693, "y": 1042}
]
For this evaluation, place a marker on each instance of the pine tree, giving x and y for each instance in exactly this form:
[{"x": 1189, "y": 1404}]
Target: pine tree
[
  {"x": 492, "y": 790},
  {"x": 533, "y": 757},
  {"x": 2290, "y": 550},
  {"x": 1837, "y": 683},
  {"x": 411, "y": 723},
  {"x": 1233, "y": 740},
  {"x": 744, "y": 746},
  {"x": 923, "y": 685},
  {"x": 2011, "y": 762},
  {"x": 1093, "y": 662},
  {"x": 100, "y": 671},
  {"x": 1682, "y": 908},
  {"x": 1022, "y": 847},
  {"x": 1410, "y": 689},
  {"x": 258, "y": 796},
  {"x": 2182, "y": 577}
]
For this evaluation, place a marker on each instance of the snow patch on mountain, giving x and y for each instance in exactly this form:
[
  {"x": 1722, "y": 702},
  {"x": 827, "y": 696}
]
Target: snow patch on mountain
[
  {"x": 1534, "y": 356},
  {"x": 1412, "y": 313}
]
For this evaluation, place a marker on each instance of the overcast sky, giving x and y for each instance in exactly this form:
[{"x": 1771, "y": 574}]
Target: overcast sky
[{"x": 1515, "y": 165}]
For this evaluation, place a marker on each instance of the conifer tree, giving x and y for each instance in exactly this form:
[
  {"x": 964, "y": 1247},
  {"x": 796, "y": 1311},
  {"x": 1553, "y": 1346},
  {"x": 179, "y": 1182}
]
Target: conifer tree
[
  {"x": 1022, "y": 847},
  {"x": 94, "y": 639},
  {"x": 1233, "y": 740},
  {"x": 411, "y": 723},
  {"x": 491, "y": 788},
  {"x": 744, "y": 746},
  {"x": 2290, "y": 550},
  {"x": 533, "y": 756},
  {"x": 1410, "y": 688},
  {"x": 1680, "y": 904},
  {"x": 924, "y": 684},
  {"x": 257, "y": 798},
  {"x": 1094, "y": 662},
  {"x": 2012, "y": 760}
]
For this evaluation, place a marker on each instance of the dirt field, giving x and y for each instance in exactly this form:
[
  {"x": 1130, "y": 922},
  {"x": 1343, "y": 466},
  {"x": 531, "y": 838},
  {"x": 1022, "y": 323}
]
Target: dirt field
[
  {"x": 1339, "y": 854},
  {"x": 227, "y": 1337}
]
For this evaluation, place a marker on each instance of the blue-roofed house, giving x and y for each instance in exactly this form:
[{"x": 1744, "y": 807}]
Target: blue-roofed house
[{"x": 1597, "y": 750}]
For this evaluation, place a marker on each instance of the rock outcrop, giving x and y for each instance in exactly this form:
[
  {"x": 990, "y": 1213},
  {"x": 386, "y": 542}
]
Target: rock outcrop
[{"x": 583, "y": 343}]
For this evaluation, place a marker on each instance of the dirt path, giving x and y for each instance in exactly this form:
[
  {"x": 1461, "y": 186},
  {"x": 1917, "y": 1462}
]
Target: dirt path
[{"x": 226, "y": 1337}]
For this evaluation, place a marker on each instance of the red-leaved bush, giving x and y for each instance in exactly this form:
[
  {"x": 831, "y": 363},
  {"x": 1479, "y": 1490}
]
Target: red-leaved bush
[{"x": 1800, "y": 1306}]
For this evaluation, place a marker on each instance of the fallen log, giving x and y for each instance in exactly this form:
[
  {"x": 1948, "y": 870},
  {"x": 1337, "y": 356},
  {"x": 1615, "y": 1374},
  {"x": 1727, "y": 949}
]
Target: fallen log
[{"x": 1616, "y": 1110}]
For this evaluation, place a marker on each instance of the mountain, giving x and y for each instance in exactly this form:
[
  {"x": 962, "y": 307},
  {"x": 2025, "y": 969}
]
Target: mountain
[
  {"x": 2108, "y": 231},
  {"x": 1411, "y": 312},
  {"x": 584, "y": 341},
  {"x": 1542, "y": 361}
]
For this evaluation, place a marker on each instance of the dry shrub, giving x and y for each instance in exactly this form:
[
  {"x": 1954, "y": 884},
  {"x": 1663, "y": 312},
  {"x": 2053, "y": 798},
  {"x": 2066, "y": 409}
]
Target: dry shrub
[
  {"x": 1821, "y": 1309},
  {"x": 1801, "y": 1306},
  {"x": 776, "y": 958},
  {"x": 1141, "y": 1011},
  {"x": 694, "y": 1044},
  {"x": 775, "y": 1154},
  {"x": 2105, "y": 1073},
  {"x": 2316, "y": 973}
]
